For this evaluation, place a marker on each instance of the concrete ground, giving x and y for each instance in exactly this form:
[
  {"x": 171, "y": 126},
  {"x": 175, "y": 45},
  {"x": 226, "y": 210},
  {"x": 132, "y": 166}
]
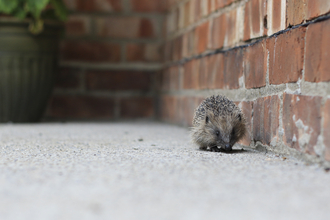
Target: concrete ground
[{"x": 145, "y": 170}]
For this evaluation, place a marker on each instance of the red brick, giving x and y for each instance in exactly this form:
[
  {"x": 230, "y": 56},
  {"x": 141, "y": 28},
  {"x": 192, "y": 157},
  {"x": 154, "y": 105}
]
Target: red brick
[
  {"x": 212, "y": 65},
  {"x": 203, "y": 73},
  {"x": 255, "y": 13},
  {"x": 286, "y": 56},
  {"x": 90, "y": 51},
  {"x": 255, "y": 65},
  {"x": 218, "y": 72},
  {"x": 187, "y": 15},
  {"x": 317, "y": 56},
  {"x": 177, "y": 48},
  {"x": 295, "y": 12},
  {"x": 266, "y": 119},
  {"x": 191, "y": 75},
  {"x": 82, "y": 107},
  {"x": 277, "y": 14},
  {"x": 233, "y": 68},
  {"x": 168, "y": 48},
  {"x": 202, "y": 33},
  {"x": 68, "y": 78},
  {"x": 198, "y": 11},
  {"x": 94, "y": 5},
  {"x": 137, "y": 107},
  {"x": 315, "y": 8},
  {"x": 174, "y": 78},
  {"x": 247, "y": 109},
  {"x": 126, "y": 27},
  {"x": 326, "y": 128},
  {"x": 230, "y": 37},
  {"x": 218, "y": 31},
  {"x": 135, "y": 52},
  {"x": 302, "y": 121},
  {"x": 148, "y": 5},
  {"x": 118, "y": 80},
  {"x": 222, "y": 3},
  {"x": 142, "y": 52},
  {"x": 77, "y": 25}
]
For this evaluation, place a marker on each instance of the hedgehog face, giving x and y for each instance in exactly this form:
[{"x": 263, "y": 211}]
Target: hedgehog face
[{"x": 224, "y": 131}]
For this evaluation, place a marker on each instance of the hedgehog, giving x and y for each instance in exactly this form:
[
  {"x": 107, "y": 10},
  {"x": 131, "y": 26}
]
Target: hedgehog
[{"x": 218, "y": 124}]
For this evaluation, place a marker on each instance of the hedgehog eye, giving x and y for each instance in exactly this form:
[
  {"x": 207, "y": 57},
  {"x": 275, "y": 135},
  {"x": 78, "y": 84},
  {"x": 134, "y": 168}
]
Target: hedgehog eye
[
  {"x": 239, "y": 117},
  {"x": 207, "y": 119},
  {"x": 217, "y": 133}
]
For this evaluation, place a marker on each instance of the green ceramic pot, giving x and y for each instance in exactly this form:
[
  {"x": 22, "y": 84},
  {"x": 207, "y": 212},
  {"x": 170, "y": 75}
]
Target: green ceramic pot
[{"x": 27, "y": 66}]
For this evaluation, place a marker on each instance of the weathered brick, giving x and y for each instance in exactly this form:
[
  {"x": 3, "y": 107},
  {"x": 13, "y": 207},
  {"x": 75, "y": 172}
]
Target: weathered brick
[
  {"x": 197, "y": 9},
  {"x": 171, "y": 22},
  {"x": 202, "y": 34},
  {"x": 233, "y": 68},
  {"x": 276, "y": 19},
  {"x": 118, "y": 80},
  {"x": 148, "y": 5},
  {"x": 222, "y": 3},
  {"x": 286, "y": 56},
  {"x": 247, "y": 109},
  {"x": 126, "y": 27},
  {"x": 190, "y": 75},
  {"x": 77, "y": 25},
  {"x": 218, "y": 31},
  {"x": 135, "y": 52},
  {"x": 218, "y": 76},
  {"x": 142, "y": 52},
  {"x": 254, "y": 18},
  {"x": 187, "y": 13},
  {"x": 68, "y": 78},
  {"x": 177, "y": 48},
  {"x": 174, "y": 78},
  {"x": 301, "y": 121},
  {"x": 295, "y": 12},
  {"x": 315, "y": 8},
  {"x": 317, "y": 56},
  {"x": 255, "y": 65},
  {"x": 137, "y": 107},
  {"x": 81, "y": 107},
  {"x": 326, "y": 128},
  {"x": 203, "y": 73},
  {"x": 90, "y": 51},
  {"x": 266, "y": 119},
  {"x": 231, "y": 28}
]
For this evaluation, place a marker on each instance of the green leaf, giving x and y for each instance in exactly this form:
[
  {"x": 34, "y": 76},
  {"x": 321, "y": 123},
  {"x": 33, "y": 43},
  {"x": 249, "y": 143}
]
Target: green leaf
[
  {"x": 19, "y": 13},
  {"x": 60, "y": 9},
  {"x": 7, "y": 6},
  {"x": 36, "y": 27},
  {"x": 36, "y": 7}
]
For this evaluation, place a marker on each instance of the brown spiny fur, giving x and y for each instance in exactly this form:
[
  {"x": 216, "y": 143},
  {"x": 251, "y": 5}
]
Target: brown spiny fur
[{"x": 217, "y": 122}]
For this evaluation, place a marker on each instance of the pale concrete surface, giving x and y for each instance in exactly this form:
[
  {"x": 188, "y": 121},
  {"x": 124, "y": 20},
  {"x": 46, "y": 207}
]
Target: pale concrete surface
[{"x": 147, "y": 171}]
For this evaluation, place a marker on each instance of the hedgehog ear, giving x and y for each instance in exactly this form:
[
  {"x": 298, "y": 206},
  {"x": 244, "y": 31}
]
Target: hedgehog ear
[{"x": 207, "y": 119}]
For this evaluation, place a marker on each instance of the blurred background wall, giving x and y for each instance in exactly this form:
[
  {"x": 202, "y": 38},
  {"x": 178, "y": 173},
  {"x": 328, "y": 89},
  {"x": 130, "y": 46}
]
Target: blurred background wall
[{"x": 109, "y": 58}]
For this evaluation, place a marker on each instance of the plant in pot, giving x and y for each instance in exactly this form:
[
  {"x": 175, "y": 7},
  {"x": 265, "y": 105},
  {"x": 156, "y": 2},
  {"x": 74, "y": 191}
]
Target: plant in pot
[{"x": 29, "y": 42}]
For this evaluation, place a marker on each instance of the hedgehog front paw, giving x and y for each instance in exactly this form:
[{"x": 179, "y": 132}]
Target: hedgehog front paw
[{"x": 215, "y": 149}]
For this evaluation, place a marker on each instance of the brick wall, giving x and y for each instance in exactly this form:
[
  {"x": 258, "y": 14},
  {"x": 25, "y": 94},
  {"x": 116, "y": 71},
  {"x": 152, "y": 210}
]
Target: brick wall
[
  {"x": 270, "y": 56},
  {"x": 109, "y": 58},
  {"x": 160, "y": 58}
]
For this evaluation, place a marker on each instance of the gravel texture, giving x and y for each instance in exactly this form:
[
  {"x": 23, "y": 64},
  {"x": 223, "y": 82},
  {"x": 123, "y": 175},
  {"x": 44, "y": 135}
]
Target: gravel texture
[{"x": 145, "y": 170}]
